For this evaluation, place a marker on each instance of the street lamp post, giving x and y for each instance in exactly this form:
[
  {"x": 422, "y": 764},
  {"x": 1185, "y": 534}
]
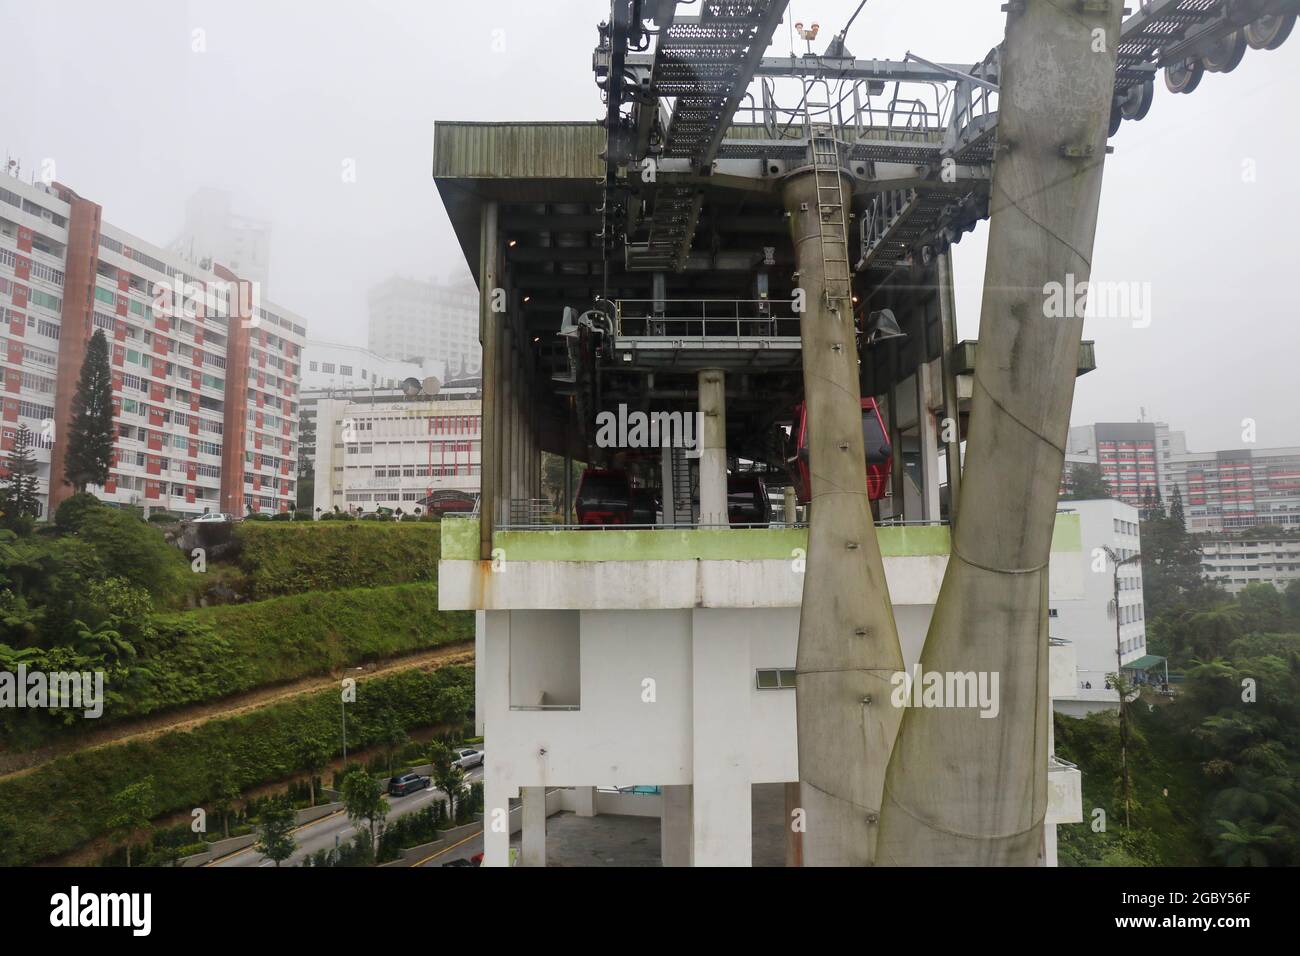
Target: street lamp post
[{"x": 1119, "y": 681}]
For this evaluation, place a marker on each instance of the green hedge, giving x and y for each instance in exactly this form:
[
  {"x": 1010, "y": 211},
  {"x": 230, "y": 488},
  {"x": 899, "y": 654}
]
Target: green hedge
[
  {"x": 297, "y": 557},
  {"x": 68, "y": 801},
  {"x": 210, "y": 653}
]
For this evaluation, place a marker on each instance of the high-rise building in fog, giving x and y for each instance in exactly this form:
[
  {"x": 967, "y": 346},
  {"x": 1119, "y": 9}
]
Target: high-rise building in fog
[
  {"x": 204, "y": 378},
  {"x": 214, "y": 234},
  {"x": 411, "y": 320}
]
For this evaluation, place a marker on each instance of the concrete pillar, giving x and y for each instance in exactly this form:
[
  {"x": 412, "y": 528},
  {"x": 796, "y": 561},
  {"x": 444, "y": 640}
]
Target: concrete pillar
[
  {"x": 790, "y": 505},
  {"x": 507, "y": 486},
  {"x": 489, "y": 336},
  {"x": 848, "y": 643},
  {"x": 533, "y": 839},
  {"x": 722, "y": 798},
  {"x": 492, "y": 696},
  {"x": 952, "y": 428},
  {"x": 713, "y": 446},
  {"x": 675, "y": 826},
  {"x": 584, "y": 801},
  {"x": 793, "y": 836},
  {"x": 927, "y": 432}
]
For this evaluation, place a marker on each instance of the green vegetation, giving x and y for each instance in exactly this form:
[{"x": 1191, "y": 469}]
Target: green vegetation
[
  {"x": 279, "y": 559},
  {"x": 69, "y": 800},
  {"x": 1216, "y": 772},
  {"x": 196, "y": 656},
  {"x": 275, "y": 842}
]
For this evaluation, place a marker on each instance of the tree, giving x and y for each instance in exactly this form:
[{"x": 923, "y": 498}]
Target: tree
[
  {"x": 447, "y": 777},
  {"x": 313, "y": 756},
  {"x": 91, "y": 432},
  {"x": 276, "y": 840},
  {"x": 364, "y": 802},
  {"x": 21, "y": 502},
  {"x": 132, "y": 809},
  {"x": 392, "y": 736},
  {"x": 1176, "y": 509},
  {"x": 1085, "y": 483}
]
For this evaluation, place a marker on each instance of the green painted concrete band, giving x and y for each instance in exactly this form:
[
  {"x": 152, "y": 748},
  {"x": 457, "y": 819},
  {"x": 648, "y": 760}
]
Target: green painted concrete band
[{"x": 460, "y": 542}]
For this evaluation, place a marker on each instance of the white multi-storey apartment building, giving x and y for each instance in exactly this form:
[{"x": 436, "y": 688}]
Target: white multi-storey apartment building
[
  {"x": 1088, "y": 621},
  {"x": 1235, "y": 562},
  {"x": 388, "y": 451},
  {"x": 204, "y": 374},
  {"x": 414, "y": 320}
]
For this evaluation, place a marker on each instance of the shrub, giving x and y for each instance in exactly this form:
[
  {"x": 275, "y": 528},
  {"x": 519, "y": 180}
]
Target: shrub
[
  {"x": 73, "y": 510},
  {"x": 314, "y": 556},
  {"x": 250, "y": 749}
]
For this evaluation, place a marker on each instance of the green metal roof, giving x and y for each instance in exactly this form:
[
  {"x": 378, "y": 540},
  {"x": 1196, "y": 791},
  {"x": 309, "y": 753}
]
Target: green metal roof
[{"x": 1144, "y": 663}]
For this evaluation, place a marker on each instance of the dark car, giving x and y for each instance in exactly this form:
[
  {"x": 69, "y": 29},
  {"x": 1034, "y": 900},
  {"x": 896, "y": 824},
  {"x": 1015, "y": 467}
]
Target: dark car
[
  {"x": 604, "y": 497},
  {"x": 747, "y": 501},
  {"x": 406, "y": 783}
]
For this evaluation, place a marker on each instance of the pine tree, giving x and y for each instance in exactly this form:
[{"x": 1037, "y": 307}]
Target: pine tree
[
  {"x": 20, "y": 484},
  {"x": 91, "y": 432},
  {"x": 1176, "y": 508}
]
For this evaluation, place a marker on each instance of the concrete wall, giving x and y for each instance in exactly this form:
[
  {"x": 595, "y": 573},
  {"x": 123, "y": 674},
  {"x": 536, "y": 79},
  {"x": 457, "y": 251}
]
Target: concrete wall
[{"x": 544, "y": 659}]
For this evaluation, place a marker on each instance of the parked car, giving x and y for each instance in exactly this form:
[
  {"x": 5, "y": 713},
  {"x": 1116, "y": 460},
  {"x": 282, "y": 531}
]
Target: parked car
[
  {"x": 747, "y": 501},
  {"x": 407, "y": 783},
  {"x": 604, "y": 497},
  {"x": 463, "y": 863},
  {"x": 468, "y": 758},
  {"x": 214, "y": 517}
]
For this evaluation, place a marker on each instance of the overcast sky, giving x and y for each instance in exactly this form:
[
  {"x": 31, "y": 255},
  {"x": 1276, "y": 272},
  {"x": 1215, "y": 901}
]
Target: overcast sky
[{"x": 1201, "y": 204}]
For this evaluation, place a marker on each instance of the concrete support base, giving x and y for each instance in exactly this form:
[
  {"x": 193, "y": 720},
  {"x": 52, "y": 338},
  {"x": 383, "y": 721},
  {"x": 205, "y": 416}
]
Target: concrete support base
[
  {"x": 533, "y": 840},
  {"x": 675, "y": 827},
  {"x": 585, "y": 801}
]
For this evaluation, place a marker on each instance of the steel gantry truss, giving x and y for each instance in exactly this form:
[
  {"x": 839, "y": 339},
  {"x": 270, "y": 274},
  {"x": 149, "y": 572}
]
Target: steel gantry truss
[{"x": 678, "y": 122}]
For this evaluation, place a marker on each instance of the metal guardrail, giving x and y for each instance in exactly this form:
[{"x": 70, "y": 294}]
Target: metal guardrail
[{"x": 706, "y": 318}]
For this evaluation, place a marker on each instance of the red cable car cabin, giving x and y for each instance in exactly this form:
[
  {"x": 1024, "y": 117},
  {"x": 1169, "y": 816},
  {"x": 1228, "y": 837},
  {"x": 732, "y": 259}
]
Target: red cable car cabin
[
  {"x": 604, "y": 497},
  {"x": 875, "y": 439}
]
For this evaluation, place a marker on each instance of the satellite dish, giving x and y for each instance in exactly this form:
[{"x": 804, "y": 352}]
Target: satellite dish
[
  {"x": 410, "y": 387},
  {"x": 431, "y": 386}
]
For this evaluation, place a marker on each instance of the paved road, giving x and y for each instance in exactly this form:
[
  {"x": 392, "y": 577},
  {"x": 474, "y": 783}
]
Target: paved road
[{"x": 321, "y": 834}]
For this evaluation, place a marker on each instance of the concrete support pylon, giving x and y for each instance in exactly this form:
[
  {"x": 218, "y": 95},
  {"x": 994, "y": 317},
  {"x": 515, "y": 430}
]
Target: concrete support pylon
[
  {"x": 676, "y": 840},
  {"x": 713, "y": 446},
  {"x": 963, "y": 788},
  {"x": 848, "y": 642},
  {"x": 532, "y": 842}
]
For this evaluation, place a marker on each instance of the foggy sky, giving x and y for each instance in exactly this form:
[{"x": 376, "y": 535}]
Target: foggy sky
[{"x": 286, "y": 93}]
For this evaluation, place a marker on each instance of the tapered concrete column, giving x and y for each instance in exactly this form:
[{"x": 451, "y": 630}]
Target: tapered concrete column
[
  {"x": 584, "y": 801},
  {"x": 713, "y": 446},
  {"x": 533, "y": 839},
  {"x": 962, "y": 790},
  {"x": 848, "y": 642},
  {"x": 492, "y": 695},
  {"x": 675, "y": 826}
]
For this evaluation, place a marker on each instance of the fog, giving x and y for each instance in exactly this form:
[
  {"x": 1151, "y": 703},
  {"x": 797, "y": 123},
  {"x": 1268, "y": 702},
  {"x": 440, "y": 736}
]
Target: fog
[{"x": 319, "y": 118}]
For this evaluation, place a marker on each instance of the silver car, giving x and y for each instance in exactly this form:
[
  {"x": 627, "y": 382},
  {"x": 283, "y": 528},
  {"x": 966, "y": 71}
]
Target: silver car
[{"x": 468, "y": 758}]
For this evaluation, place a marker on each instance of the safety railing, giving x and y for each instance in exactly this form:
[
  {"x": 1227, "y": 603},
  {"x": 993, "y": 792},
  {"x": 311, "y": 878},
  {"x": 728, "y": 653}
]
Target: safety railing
[{"x": 706, "y": 318}]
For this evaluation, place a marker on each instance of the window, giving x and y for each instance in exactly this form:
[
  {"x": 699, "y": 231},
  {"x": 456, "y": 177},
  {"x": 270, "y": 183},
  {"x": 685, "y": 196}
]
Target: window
[
  {"x": 773, "y": 679},
  {"x": 327, "y": 368},
  {"x": 345, "y": 369},
  {"x": 314, "y": 367}
]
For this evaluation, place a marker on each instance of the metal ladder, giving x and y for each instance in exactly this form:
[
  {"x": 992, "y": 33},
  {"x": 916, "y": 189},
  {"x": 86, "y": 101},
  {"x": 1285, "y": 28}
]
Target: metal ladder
[{"x": 831, "y": 216}]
